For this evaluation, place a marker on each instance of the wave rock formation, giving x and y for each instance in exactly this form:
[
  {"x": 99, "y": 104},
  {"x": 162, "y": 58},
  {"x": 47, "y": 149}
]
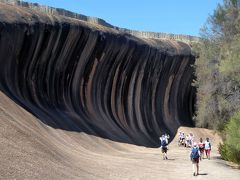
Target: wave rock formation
[{"x": 86, "y": 77}]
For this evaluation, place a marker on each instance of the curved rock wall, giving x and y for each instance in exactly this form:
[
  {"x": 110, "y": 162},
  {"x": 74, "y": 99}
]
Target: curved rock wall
[{"x": 89, "y": 78}]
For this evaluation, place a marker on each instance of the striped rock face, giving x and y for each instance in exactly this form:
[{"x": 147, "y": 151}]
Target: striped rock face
[{"x": 81, "y": 76}]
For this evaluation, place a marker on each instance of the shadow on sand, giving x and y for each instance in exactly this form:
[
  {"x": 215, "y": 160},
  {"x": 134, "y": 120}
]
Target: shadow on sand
[
  {"x": 203, "y": 174},
  {"x": 170, "y": 159}
]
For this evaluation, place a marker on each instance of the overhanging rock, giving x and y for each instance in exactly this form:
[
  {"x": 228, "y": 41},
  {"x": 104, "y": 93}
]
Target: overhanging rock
[{"x": 81, "y": 76}]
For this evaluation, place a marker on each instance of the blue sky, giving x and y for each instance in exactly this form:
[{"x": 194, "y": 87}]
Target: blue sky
[{"x": 170, "y": 16}]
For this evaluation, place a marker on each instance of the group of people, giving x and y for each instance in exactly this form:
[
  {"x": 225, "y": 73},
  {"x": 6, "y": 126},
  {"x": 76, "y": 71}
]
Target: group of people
[
  {"x": 197, "y": 153},
  {"x": 197, "y": 149},
  {"x": 187, "y": 140}
]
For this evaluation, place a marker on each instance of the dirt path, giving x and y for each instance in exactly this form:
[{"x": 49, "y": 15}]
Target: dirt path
[{"x": 32, "y": 150}]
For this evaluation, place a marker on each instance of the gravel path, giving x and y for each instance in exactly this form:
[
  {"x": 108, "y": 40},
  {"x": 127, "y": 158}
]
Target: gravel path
[{"x": 32, "y": 150}]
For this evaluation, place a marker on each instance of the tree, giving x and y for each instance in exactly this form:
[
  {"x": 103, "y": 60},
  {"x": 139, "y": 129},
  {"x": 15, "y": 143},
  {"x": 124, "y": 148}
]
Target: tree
[{"x": 218, "y": 67}]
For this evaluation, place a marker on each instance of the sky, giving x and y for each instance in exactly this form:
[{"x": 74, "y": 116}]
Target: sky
[{"x": 169, "y": 16}]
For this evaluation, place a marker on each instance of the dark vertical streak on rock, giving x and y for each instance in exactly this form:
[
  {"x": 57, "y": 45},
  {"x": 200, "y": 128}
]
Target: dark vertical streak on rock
[{"x": 87, "y": 78}]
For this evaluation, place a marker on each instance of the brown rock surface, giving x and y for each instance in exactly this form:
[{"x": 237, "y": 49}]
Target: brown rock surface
[
  {"x": 33, "y": 150},
  {"x": 77, "y": 97},
  {"x": 85, "y": 77}
]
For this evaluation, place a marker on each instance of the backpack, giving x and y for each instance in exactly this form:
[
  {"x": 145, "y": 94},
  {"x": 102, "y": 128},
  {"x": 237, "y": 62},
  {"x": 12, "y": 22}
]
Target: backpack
[
  {"x": 194, "y": 154},
  {"x": 164, "y": 142}
]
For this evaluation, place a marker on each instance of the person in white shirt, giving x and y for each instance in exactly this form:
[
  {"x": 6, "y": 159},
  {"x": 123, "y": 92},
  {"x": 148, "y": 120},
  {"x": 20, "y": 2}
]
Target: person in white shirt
[
  {"x": 164, "y": 145},
  {"x": 191, "y": 139},
  {"x": 207, "y": 147},
  {"x": 181, "y": 138},
  {"x": 187, "y": 141}
]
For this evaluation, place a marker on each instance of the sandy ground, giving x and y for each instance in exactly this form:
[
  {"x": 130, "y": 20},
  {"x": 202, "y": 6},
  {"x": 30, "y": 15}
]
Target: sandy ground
[{"x": 32, "y": 150}]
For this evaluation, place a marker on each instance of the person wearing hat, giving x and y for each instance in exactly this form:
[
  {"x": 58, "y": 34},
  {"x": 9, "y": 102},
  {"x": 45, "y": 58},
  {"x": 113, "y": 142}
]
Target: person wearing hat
[{"x": 195, "y": 155}]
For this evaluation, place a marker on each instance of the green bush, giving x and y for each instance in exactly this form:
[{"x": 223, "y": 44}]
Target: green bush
[
  {"x": 230, "y": 149},
  {"x": 223, "y": 150}
]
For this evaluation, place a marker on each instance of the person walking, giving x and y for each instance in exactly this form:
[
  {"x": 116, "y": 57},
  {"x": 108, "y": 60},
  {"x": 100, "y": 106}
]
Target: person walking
[
  {"x": 181, "y": 139},
  {"x": 187, "y": 141},
  {"x": 207, "y": 147},
  {"x": 164, "y": 146},
  {"x": 191, "y": 138},
  {"x": 201, "y": 148},
  {"x": 195, "y": 155}
]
